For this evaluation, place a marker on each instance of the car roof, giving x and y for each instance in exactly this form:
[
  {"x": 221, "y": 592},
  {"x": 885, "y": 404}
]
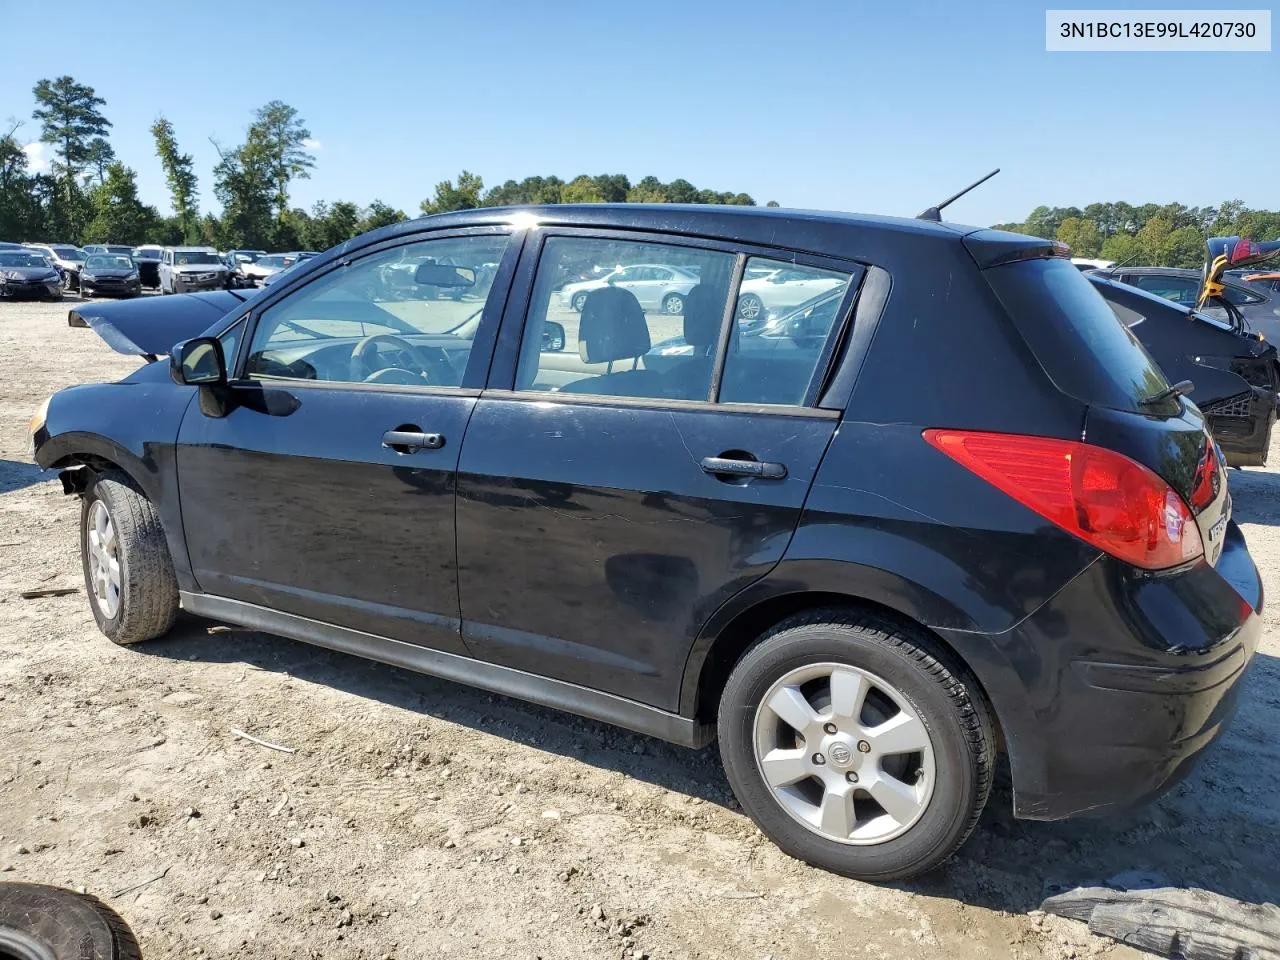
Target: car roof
[
  {"x": 855, "y": 237},
  {"x": 192, "y": 249}
]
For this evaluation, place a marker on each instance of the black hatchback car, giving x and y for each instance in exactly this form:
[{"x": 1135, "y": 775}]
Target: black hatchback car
[
  {"x": 1235, "y": 373},
  {"x": 968, "y": 513}
]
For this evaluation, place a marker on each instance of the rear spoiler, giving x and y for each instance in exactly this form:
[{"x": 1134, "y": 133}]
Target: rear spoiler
[
  {"x": 991, "y": 248},
  {"x": 1226, "y": 253}
]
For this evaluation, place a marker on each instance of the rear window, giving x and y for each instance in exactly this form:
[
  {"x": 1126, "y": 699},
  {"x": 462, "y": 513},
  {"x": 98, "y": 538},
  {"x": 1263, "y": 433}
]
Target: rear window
[{"x": 1087, "y": 352}]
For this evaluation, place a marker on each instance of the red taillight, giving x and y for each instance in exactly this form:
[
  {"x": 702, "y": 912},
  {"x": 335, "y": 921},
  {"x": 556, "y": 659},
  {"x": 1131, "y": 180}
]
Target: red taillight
[{"x": 1102, "y": 497}]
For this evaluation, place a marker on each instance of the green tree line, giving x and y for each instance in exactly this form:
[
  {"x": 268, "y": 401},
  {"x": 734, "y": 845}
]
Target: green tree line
[
  {"x": 1150, "y": 234},
  {"x": 88, "y": 196}
]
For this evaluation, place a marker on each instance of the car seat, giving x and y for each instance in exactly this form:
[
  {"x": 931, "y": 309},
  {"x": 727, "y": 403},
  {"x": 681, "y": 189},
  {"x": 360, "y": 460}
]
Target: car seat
[{"x": 612, "y": 328}]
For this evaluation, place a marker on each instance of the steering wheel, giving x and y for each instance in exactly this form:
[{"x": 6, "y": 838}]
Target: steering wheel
[{"x": 434, "y": 367}]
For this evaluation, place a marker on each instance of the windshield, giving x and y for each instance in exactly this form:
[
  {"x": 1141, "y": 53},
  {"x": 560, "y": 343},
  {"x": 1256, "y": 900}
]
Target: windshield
[
  {"x": 186, "y": 258},
  {"x": 273, "y": 260},
  {"x": 22, "y": 259},
  {"x": 69, "y": 253},
  {"x": 120, "y": 249},
  {"x": 106, "y": 261},
  {"x": 147, "y": 253},
  {"x": 1086, "y": 351}
]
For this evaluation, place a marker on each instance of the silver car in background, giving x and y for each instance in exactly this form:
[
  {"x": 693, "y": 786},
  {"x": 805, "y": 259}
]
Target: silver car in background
[{"x": 186, "y": 269}]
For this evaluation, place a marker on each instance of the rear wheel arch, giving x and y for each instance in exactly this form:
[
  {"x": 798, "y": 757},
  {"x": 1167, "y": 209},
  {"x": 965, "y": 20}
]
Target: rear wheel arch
[{"x": 705, "y": 679}]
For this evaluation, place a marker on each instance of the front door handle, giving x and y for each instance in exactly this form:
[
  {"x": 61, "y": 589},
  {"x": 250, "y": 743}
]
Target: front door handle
[
  {"x": 410, "y": 441},
  {"x": 722, "y": 466}
]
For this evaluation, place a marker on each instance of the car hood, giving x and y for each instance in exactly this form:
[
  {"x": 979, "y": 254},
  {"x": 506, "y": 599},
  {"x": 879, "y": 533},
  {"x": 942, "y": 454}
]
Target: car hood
[
  {"x": 30, "y": 273},
  {"x": 198, "y": 267},
  {"x": 110, "y": 271},
  {"x": 151, "y": 326}
]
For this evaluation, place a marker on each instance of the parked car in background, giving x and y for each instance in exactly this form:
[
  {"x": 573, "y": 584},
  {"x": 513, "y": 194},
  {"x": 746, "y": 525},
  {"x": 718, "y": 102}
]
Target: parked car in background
[
  {"x": 1270, "y": 282},
  {"x": 109, "y": 275},
  {"x": 1236, "y": 374},
  {"x": 28, "y": 273},
  {"x": 1085, "y": 264},
  {"x": 263, "y": 267},
  {"x": 1260, "y": 308},
  {"x": 779, "y": 289},
  {"x": 147, "y": 257},
  {"x": 66, "y": 258},
  {"x": 657, "y": 286},
  {"x": 185, "y": 269},
  {"x": 6, "y": 245},
  {"x": 961, "y": 512},
  {"x": 123, "y": 249}
]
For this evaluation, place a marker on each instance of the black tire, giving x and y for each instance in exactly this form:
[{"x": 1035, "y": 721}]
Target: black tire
[
  {"x": 673, "y": 300},
  {"x": 39, "y": 922},
  {"x": 579, "y": 300},
  {"x": 943, "y": 694},
  {"x": 148, "y": 590}
]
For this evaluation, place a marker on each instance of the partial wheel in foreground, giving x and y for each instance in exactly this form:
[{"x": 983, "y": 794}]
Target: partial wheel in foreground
[
  {"x": 856, "y": 745},
  {"x": 579, "y": 301},
  {"x": 48, "y": 923},
  {"x": 127, "y": 570}
]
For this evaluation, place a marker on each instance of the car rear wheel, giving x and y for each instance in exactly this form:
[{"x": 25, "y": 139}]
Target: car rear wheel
[
  {"x": 673, "y": 304},
  {"x": 128, "y": 573},
  {"x": 857, "y": 745},
  {"x": 749, "y": 306},
  {"x": 579, "y": 300}
]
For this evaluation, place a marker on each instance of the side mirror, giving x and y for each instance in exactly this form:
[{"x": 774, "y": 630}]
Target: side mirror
[
  {"x": 552, "y": 336},
  {"x": 444, "y": 275},
  {"x": 198, "y": 362}
]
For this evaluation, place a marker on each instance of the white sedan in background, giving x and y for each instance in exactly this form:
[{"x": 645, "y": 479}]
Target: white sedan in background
[
  {"x": 657, "y": 286},
  {"x": 781, "y": 289}
]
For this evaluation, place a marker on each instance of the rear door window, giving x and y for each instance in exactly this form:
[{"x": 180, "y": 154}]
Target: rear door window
[
  {"x": 1178, "y": 289},
  {"x": 1087, "y": 352}
]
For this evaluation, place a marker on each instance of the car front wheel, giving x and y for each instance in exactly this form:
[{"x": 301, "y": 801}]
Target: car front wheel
[
  {"x": 579, "y": 301},
  {"x": 857, "y": 745},
  {"x": 128, "y": 573}
]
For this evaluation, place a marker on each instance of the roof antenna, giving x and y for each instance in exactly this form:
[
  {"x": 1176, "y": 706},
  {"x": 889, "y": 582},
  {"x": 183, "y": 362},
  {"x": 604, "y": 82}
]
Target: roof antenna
[{"x": 934, "y": 214}]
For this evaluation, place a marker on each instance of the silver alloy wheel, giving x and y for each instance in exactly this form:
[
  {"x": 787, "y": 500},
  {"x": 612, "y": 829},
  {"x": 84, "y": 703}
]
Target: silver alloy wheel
[
  {"x": 750, "y": 308},
  {"x": 844, "y": 753},
  {"x": 104, "y": 559},
  {"x": 673, "y": 304}
]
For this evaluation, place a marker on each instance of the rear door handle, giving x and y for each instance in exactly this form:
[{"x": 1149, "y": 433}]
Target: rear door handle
[
  {"x": 721, "y": 466},
  {"x": 408, "y": 441}
]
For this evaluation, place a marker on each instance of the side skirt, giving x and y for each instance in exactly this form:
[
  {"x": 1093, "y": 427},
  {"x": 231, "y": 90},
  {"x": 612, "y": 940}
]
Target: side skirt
[{"x": 488, "y": 676}]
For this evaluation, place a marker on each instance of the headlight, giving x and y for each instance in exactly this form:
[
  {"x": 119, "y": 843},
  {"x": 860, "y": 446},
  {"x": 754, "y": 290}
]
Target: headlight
[
  {"x": 88, "y": 276},
  {"x": 36, "y": 423},
  {"x": 11, "y": 275},
  {"x": 132, "y": 276}
]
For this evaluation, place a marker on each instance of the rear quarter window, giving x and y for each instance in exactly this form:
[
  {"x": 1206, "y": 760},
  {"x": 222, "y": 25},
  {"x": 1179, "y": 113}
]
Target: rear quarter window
[{"x": 1087, "y": 352}]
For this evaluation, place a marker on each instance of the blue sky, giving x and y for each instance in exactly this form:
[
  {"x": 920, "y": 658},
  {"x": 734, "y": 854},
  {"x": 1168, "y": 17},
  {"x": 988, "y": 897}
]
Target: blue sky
[{"x": 874, "y": 107}]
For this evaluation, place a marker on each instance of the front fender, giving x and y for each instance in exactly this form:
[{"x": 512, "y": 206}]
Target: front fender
[{"x": 129, "y": 425}]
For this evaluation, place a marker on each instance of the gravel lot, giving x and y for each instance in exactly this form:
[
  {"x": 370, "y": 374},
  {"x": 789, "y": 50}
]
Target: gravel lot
[{"x": 420, "y": 818}]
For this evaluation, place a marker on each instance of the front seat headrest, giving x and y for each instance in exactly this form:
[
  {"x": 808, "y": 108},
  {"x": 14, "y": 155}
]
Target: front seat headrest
[
  {"x": 612, "y": 327},
  {"x": 703, "y": 316}
]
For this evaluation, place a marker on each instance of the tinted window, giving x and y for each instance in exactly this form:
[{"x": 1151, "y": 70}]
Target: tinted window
[
  {"x": 627, "y": 333},
  {"x": 401, "y": 316},
  {"x": 1238, "y": 297},
  {"x": 1085, "y": 350},
  {"x": 785, "y": 315},
  {"x": 1182, "y": 290}
]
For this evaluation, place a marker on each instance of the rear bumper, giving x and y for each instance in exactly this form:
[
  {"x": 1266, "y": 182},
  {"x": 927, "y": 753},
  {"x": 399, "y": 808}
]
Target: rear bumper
[
  {"x": 1242, "y": 426},
  {"x": 1119, "y": 683}
]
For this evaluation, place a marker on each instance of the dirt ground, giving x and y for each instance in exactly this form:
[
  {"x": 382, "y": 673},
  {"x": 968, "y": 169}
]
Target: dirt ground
[{"x": 423, "y": 819}]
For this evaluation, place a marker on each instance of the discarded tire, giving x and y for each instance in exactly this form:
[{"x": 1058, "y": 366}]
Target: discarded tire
[{"x": 49, "y": 923}]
